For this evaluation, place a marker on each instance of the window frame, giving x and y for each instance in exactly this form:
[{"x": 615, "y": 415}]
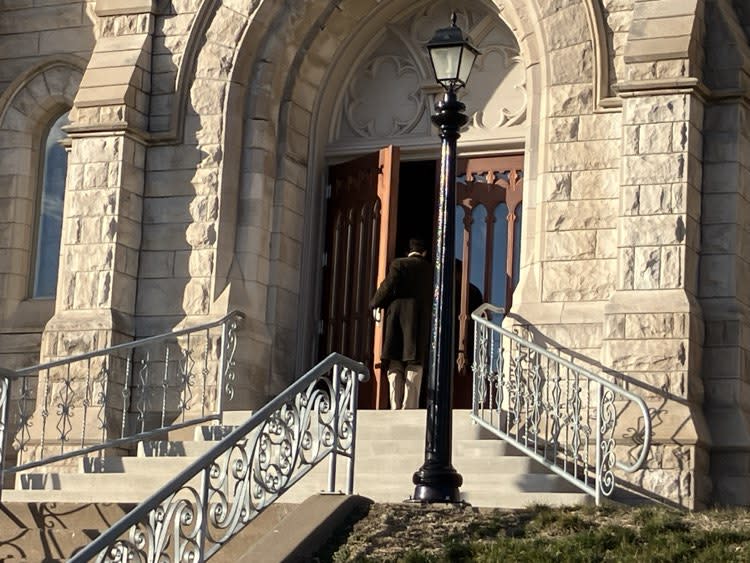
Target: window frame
[{"x": 39, "y": 184}]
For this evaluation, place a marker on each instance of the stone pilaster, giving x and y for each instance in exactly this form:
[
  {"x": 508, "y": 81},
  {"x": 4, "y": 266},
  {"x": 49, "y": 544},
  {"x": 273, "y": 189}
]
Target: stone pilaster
[
  {"x": 653, "y": 334},
  {"x": 101, "y": 233}
]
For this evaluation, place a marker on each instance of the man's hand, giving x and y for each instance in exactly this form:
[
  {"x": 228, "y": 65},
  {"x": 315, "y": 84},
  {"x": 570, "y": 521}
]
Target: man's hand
[{"x": 376, "y": 315}]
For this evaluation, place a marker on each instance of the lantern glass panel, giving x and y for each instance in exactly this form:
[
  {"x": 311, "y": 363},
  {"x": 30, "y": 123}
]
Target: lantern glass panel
[
  {"x": 445, "y": 61},
  {"x": 467, "y": 61}
]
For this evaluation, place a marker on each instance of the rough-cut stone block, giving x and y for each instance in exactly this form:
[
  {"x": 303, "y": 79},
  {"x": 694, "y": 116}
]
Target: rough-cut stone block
[
  {"x": 649, "y": 355},
  {"x": 558, "y": 186},
  {"x": 589, "y": 280},
  {"x": 570, "y": 99},
  {"x": 653, "y": 169},
  {"x": 600, "y": 127},
  {"x": 584, "y": 155},
  {"x": 626, "y": 270},
  {"x": 563, "y": 129},
  {"x": 659, "y": 109},
  {"x": 646, "y": 267},
  {"x": 571, "y": 65},
  {"x": 652, "y": 230},
  {"x": 606, "y": 243},
  {"x": 577, "y": 215},
  {"x": 571, "y": 245},
  {"x": 595, "y": 184},
  {"x": 672, "y": 270},
  {"x": 656, "y": 325},
  {"x": 656, "y": 138}
]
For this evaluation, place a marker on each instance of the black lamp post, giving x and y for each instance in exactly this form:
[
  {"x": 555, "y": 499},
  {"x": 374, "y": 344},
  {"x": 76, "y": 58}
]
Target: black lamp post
[{"x": 452, "y": 57}]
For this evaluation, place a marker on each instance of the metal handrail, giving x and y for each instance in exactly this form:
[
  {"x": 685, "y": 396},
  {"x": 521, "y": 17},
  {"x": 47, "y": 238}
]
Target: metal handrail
[
  {"x": 97, "y": 393},
  {"x": 124, "y": 346},
  {"x": 515, "y": 389},
  {"x": 239, "y": 476}
]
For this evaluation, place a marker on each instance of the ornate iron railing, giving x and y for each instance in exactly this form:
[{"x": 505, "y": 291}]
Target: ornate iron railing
[
  {"x": 554, "y": 411},
  {"x": 114, "y": 397},
  {"x": 203, "y": 507}
]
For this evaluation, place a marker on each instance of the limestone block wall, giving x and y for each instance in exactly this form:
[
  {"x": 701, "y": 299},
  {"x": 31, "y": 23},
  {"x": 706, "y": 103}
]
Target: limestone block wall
[
  {"x": 43, "y": 51},
  {"x": 725, "y": 255},
  {"x": 724, "y": 280},
  {"x": 31, "y": 34},
  {"x": 572, "y": 237}
]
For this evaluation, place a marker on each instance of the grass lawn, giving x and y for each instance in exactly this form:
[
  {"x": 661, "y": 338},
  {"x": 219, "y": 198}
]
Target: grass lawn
[{"x": 415, "y": 534}]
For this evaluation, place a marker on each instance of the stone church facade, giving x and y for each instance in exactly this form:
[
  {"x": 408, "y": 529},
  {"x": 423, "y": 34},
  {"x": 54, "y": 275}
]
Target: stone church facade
[{"x": 198, "y": 136}]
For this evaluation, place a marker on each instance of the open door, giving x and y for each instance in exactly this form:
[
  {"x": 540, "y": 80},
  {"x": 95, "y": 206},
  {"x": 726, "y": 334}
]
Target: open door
[
  {"x": 360, "y": 243},
  {"x": 489, "y": 194}
]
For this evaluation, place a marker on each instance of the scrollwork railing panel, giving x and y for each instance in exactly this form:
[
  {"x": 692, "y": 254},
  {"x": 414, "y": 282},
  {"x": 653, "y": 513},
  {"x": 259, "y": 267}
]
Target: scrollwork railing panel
[
  {"x": 203, "y": 507},
  {"x": 115, "y": 396},
  {"x": 551, "y": 409}
]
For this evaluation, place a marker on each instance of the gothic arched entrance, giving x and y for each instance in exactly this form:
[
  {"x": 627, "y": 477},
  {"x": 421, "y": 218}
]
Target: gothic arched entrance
[{"x": 378, "y": 201}]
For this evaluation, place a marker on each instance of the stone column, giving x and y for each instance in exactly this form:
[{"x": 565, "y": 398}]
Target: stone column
[
  {"x": 653, "y": 333},
  {"x": 101, "y": 234}
]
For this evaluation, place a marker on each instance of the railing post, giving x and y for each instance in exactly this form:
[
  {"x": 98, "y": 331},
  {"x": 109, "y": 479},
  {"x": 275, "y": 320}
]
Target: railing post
[
  {"x": 353, "y": 402},
  {"x": 599, "y": 398},
  {"x": 336, "y": 414},
  {"x": 4, "y": 400},
  {"x": 205, "y": 483},
  {"x": 222, "y": 367}
]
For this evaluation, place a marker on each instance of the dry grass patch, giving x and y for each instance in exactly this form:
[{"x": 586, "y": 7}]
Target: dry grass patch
[{"x": 413, "y": 533}]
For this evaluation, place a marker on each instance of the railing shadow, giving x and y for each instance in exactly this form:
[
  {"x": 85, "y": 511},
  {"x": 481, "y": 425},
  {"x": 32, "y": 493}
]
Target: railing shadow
[{"x": 657, "y": 398}]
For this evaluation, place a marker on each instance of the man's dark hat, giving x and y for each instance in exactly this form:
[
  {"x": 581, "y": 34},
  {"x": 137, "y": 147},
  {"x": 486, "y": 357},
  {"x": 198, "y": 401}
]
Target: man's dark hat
[{"x": 416, "y": 245}]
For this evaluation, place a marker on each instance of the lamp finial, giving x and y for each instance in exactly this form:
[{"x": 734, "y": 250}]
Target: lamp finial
[{"x": 453, "y": 18}]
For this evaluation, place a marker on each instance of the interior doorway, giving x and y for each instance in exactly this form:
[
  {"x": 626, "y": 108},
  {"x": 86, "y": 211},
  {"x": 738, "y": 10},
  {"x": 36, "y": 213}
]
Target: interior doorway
[
  {"x": 416, "y": 203},
  {"x": 376, "y": 204}
]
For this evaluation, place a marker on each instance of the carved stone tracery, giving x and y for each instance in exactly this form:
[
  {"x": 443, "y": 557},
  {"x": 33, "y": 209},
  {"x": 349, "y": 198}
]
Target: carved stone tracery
[{"x": 390, "y": 92}]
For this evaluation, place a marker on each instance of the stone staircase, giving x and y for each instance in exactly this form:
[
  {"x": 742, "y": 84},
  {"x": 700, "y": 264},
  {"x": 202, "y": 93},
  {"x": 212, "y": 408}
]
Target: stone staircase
[
  {"x": 390, "y": 447},
  {"x": 49, "y": 516}
]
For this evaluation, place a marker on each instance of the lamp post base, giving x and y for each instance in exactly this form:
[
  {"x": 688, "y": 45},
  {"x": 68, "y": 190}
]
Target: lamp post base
[{"x": 437, "y": 484}]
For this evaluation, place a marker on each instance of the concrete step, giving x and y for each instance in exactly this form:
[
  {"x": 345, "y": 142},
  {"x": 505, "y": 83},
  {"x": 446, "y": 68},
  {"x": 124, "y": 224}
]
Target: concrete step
[
  {"x": 390, "y": 448},
  {"x": 411, "y": 424},
  {"x": 48, "y": 546},
  {"x": 461, "y": 446},
  {"x": 366, "y": 463},
  {"x": 51, "y": 532},
  {"x": 76, "y": 516}
]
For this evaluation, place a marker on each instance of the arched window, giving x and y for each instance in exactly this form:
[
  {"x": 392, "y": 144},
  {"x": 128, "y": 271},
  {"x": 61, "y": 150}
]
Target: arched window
[{"x": 50, "y": 209}]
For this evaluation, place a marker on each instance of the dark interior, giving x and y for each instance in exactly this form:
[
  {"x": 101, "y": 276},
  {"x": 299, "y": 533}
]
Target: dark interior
[{"x": 416, "y": 204}]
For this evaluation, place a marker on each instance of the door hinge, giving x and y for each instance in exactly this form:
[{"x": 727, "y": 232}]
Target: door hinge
[
  {"x": 325, "y": 259},
  {"x": 328, "y": 191},
  {"x": 321, "y": 326}
]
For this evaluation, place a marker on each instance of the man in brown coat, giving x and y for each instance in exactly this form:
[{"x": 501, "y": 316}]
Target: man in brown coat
[{"x": 406, "y": 295}]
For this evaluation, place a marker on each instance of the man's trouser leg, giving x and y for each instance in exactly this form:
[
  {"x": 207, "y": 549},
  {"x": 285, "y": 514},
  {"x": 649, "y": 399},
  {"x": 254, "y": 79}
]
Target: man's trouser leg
[
  {"x": 412, "y": 386},
  {"x": 396, "y": 384}
]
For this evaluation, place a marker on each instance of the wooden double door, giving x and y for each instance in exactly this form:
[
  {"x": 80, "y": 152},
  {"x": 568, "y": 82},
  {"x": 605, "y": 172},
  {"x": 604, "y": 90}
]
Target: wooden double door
[{"x": 376, "y": 203}]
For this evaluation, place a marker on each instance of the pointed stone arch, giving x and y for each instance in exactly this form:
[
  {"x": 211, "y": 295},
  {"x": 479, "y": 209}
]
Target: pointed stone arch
[{"x": 271, "y": 70}]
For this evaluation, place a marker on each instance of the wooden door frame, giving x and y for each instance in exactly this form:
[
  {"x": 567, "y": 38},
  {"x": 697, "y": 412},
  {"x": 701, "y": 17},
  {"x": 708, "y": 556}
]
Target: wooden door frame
[{"x": 388, "y": 194}]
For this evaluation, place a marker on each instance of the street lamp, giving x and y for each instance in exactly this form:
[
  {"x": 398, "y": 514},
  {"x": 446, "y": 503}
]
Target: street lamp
[{"x": 452, "y": 57}]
